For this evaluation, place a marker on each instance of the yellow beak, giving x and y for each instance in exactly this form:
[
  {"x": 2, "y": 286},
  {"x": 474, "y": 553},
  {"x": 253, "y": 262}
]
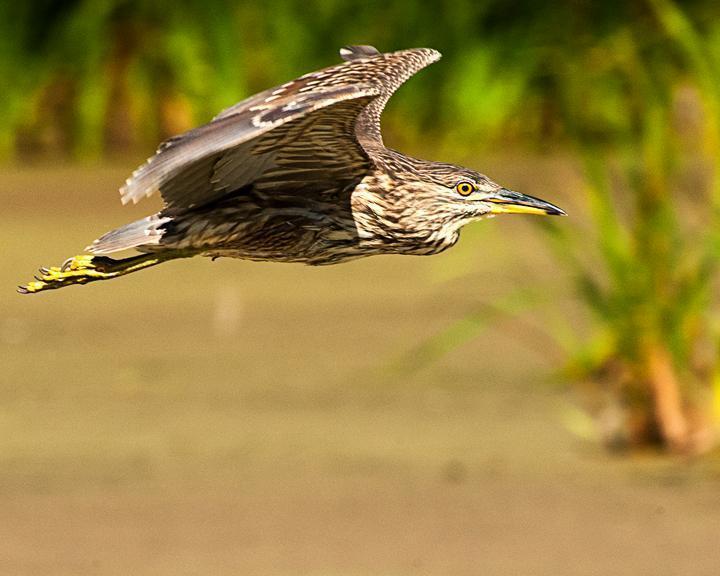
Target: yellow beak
[{"x": 506, "y": 201}]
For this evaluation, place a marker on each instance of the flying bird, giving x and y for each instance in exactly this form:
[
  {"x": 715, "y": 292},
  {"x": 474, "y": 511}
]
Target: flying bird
[{"x": 297, "y": 173}]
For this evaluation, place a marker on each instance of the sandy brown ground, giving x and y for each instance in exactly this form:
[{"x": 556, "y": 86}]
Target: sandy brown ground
[{"x": 233, "y": 418}]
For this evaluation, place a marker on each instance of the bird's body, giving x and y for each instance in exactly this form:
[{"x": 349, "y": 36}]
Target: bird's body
[
  {"x": 350, "y": 223},
  {"x": 298, "y": 173}
]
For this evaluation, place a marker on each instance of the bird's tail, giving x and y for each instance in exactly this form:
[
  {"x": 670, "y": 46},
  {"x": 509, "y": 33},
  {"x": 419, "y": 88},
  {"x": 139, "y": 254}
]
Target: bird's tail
[
  {"x": 145, "y": 232},
  {"x": 88, "y": 268}
]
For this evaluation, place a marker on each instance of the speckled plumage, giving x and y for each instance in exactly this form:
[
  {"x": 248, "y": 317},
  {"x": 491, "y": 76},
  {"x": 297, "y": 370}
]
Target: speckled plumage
[{"x": 297, "y": 173}]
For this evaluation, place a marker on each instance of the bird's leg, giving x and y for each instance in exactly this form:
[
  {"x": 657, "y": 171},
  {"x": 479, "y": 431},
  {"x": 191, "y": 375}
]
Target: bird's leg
[{"x": 87, "y": 268}]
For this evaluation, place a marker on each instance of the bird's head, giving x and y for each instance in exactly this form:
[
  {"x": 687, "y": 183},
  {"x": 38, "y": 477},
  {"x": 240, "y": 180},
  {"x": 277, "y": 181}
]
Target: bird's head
[
  {"x": 462, "y": 195},
  {"x": 420, "y": 206}
]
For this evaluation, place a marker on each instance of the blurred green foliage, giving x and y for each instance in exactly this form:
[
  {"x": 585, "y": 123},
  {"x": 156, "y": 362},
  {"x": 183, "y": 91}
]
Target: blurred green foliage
[
  {"x": 89, "y": 76},
  {"x": 638, "y": 101},
  {"x": 650, "y": 282}
]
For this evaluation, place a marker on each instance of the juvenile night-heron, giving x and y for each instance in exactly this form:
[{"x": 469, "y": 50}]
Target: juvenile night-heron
[{"x": 298, "y": 173}]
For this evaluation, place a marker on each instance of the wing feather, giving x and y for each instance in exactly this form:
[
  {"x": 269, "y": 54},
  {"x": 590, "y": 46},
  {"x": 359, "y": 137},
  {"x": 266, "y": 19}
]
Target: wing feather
[
  {"x": 313, "y": 132},
  {"x": 182, "y": 169}
]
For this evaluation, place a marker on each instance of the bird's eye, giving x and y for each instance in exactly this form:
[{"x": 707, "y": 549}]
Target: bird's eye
[{"x": 465, "y": 188}]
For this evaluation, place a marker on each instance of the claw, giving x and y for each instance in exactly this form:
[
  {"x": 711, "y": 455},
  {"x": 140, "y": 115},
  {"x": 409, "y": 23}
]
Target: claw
[
  {"x": 33, "y": 287},
  {"x": 78, "y": 270},
  {"x": 81, "y": 262},
  {"x": 83, "y": 269}
]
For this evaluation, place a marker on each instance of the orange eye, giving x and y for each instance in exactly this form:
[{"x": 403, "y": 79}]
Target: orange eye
[{"x": 465, "y": 188}]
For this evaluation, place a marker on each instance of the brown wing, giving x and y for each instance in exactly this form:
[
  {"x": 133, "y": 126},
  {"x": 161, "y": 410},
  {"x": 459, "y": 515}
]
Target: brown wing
[
  {"x": 207, "y": 162},
  {"x": 310, "y": 133},
  {"x": 387, "y": 72}
]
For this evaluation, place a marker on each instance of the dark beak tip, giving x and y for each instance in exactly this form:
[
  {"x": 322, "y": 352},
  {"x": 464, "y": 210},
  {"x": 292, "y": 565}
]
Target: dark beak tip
[{"x": 507, "y": 196}]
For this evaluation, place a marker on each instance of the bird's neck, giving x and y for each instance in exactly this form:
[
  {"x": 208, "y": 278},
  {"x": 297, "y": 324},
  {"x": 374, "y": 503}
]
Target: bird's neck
[{"x": 386, "y": 222}]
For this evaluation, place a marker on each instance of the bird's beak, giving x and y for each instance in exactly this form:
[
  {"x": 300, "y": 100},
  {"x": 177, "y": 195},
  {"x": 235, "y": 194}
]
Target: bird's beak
[{"x": 506, "y": 201}]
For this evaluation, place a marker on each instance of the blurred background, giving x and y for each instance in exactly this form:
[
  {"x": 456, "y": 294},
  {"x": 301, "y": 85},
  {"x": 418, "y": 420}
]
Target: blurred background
[{"x": 542, "y": 399}]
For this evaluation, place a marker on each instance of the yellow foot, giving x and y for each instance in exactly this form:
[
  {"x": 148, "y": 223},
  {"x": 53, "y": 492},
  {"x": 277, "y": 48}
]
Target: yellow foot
[
  {"x": 82, "y": 262},
  {"x": 77, "y": 270}
]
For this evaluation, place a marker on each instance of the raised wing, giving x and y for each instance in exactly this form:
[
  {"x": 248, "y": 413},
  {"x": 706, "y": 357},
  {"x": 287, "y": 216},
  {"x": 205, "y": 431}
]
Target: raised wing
[
  {"x": 386, "y": 72},
  {"x": 207, "y": 162},
  {"x": 309, "y": 133}
]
